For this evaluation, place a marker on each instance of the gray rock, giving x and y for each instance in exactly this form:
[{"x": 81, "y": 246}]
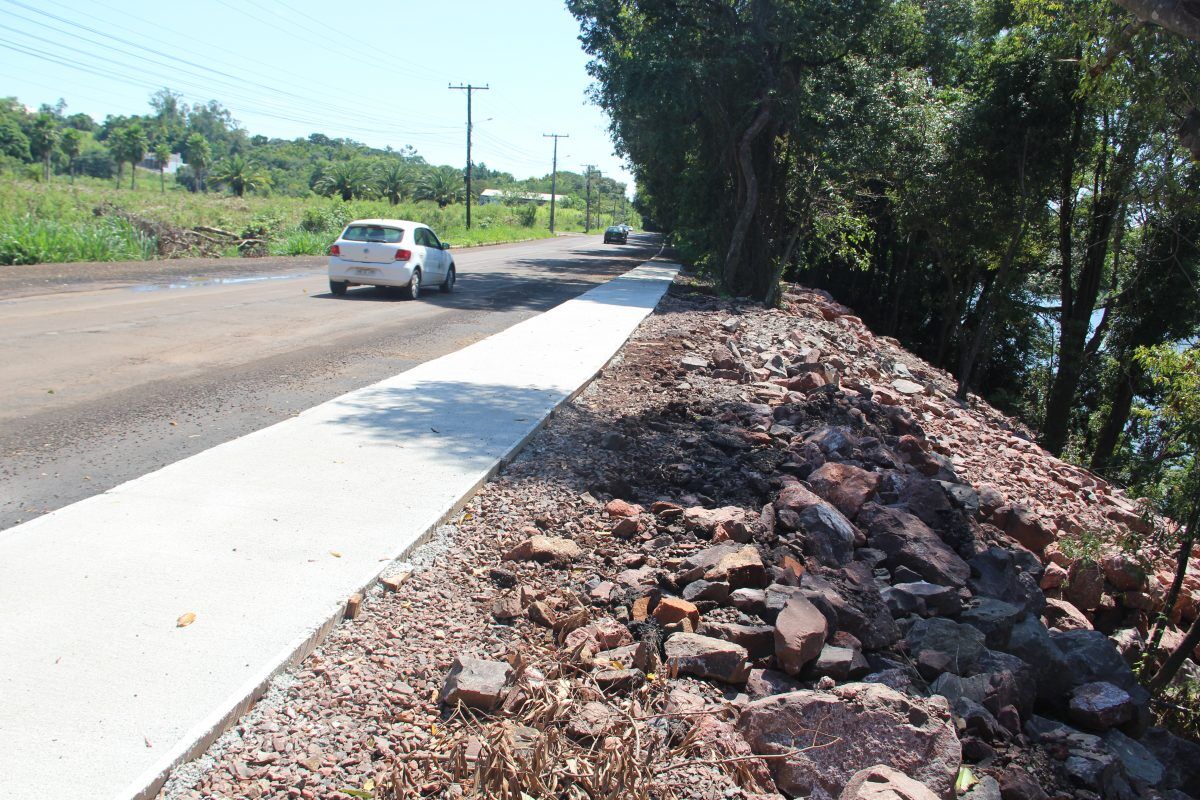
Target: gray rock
[
  {"x": 828, "y": 535},
  {"x": 1179, "y": 758},
  {"x": 706, "y": 657},
  {"x": 1031, "y": 642},
  {"x": 476, "y": 682},
  {"x": 759, "y": 640},
  {"x": 1007, "y": 575},
  {"x": 961, "y": 644},
  {"x": 909, "y": 542},
  {"x": 922, "y": 598},
  {"x": 767, "y": 682},
  {"x": 995, "y": 618},
  {"x": 988, "y": 788},
  {"x": 839, "y": 663},
  {"x": 1140, "y": 764}
]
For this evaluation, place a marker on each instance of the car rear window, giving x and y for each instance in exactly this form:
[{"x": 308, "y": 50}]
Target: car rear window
[{"x": 373, "y": 233}]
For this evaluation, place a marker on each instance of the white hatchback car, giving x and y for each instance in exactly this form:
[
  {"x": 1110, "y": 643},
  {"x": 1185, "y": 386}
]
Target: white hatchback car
[{"x": 390, "y": 252}]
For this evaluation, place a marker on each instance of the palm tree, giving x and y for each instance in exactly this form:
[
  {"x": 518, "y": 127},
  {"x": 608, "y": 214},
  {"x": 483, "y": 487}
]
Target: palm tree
[
  {"x": 442, "y": 185},
  {"x": 43, "y": 141},
  {"x": 130, "y": 145},
  {"x": 199, "y": 156},
  {"x": 72, "y": 144},
  {"x": 240, "y": 173},
  {"x": 395, "y": 180},
  {"x": 350, "y": 179},
  {"x": 162, "y": 154}
]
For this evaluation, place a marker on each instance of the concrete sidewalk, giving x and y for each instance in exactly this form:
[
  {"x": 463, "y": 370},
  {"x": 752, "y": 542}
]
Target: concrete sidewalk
[{"x": 263, "y": 539}]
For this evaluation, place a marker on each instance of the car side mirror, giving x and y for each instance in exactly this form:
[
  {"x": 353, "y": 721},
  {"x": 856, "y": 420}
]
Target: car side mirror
[{"x": 445, "y": 245}]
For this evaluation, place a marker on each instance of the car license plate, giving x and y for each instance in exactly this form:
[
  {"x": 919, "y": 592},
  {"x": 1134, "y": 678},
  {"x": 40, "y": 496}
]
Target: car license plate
[{"x": 365, "y": 271}]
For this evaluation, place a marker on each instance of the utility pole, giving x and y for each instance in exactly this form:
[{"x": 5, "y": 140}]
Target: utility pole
[
  {"x": 554, "y": 173},
  {"x": 469, "y": 88},
  {"x": 599, "y": 197},
  {"x": 587, "y": 214}
]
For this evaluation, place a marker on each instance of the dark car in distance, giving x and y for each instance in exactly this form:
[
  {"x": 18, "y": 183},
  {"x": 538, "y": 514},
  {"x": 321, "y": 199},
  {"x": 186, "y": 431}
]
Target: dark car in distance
[{"x": 616, "y": 234}]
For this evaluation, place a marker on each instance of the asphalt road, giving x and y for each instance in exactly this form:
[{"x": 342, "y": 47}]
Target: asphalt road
[{"x": 111, "y": 371}]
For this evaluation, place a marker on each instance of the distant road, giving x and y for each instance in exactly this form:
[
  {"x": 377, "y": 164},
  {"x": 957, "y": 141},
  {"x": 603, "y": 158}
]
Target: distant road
[{"x": 113, "y": 370}]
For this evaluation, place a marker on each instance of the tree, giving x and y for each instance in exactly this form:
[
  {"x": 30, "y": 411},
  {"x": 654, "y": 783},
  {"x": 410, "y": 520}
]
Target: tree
[
  {"x": 199, "y": 156},
  {"x": 72, "y": 144},
  {"x": 44, "y": 136},
  {"x": 162, "y": 154},
  {"x": 130, "y": 145},
  {"x": 1176, "y": 372},
  {"x": 240, "y": 174},
  {"x": 442, "y": 185},
  {"x": 349, "y": 179},
  {"x": 395, "y": 180}
]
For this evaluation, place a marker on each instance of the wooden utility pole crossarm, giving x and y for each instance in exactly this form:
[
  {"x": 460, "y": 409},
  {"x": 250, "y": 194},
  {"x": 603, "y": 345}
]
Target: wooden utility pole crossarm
[
  {"x": 554, "y": 172},
  {"x": 468, "y": 88}
]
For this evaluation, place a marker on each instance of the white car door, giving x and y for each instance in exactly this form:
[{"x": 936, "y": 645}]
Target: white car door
[
  {"x": 428, "y": 256},
  {"x": 436, "y": 251}
]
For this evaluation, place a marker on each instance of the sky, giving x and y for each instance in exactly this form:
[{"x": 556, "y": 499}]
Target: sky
[{"x": 374, "y": 71}]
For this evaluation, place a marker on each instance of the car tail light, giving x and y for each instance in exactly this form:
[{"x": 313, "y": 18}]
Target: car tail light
[
  {"x": 403, "y": 255},
  {"x": 334, "y": 250}
]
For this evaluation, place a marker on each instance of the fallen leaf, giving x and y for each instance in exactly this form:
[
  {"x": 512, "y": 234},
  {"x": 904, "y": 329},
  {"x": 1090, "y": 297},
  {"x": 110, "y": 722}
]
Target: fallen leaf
[
  {"x": 185, "y": 620},
  {"x": 335, "y": 554}
]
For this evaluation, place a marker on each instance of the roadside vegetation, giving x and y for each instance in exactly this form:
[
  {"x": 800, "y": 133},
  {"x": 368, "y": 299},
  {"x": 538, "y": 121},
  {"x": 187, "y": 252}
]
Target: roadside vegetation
[
  {"x": 1008, "y": 188},
  {"x": 73, "y": 188}
]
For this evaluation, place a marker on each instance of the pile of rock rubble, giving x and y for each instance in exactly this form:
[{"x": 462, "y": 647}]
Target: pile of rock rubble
[{"x": 902, "y": 606}]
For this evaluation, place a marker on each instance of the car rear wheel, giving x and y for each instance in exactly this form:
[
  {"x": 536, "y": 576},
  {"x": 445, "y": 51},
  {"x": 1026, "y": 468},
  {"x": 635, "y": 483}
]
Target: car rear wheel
[
  {"x": 451, "y": 277},
  {"x": 413, "y": 290},
  {"x": 339, "y": 287}
]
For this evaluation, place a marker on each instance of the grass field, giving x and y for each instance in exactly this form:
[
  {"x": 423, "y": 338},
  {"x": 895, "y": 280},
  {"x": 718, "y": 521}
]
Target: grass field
[{"x": 41, "y": 223}]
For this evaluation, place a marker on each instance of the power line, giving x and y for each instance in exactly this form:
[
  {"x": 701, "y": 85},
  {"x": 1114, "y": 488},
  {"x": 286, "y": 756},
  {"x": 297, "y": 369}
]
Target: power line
[{"x": 469, "y": 89}]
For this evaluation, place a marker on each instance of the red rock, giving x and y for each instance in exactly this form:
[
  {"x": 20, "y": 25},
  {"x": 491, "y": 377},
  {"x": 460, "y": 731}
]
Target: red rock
[
  {"x": 591, "y": 722},
  {"x": 1085, "y": 585},
  {"x": 846, "y": 487},
  {"x": 476, "y": 683},
  {"x": 1053, "y": 577},
  {"x": 545, "y": 549},
  {"x": 849, "y": 728},
  {"x": 800, "y": 631},
  {"x": 603, "y": 634},
  {"x": 1017, "y": 784},
  {"x": 1064, "y": 616},
  {"x": 731, "y": 520},
  {"x": 795, "y": 497},
  {"x": 1100, "y": 706},
  {"x": 881, "y": 782},
  {"x": 619, "y": 508},
  {"x": 666, "y": 510},
  {"x": 1021, "y": 523},
  {"x": 741, "y": 569},
  {"x": 1123, "y": 572},
  {"x": 676, "y": 609},
  {"x": 627, "y": 528}
]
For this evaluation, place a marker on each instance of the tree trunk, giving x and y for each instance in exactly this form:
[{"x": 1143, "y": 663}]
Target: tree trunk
[
  {"x": 983, "y": 327},
  {"x": 162, "y": 178},
  {"x": 1174, "y": 661},
  {"x": 1181, "y": 566},
  {"x": 1174, "y": 15},
  {"x": 1118, "y": 414},
  {"x": 120, "y": 172},
  {"x": 46, "y": 168},
  {"x": 132, "y": 174},
  {"x": 1079, "y": 298},
  {"x": 745, "y": 162}
]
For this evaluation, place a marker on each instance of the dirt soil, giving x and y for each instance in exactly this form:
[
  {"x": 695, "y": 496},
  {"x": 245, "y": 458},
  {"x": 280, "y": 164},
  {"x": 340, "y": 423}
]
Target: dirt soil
[{"x": 362, "y": 716}]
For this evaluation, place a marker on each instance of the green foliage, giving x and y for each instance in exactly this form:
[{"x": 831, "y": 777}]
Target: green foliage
[
  {"x": 526, "y": 215},
  {"x": 443, "y": 186},
  {"x": 350, "y": 180},
  {"x": 240, "y": 174},
  {"x": 26, "y": 240},
  {"x": 327, "y": 218}
]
